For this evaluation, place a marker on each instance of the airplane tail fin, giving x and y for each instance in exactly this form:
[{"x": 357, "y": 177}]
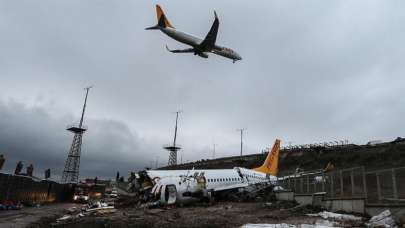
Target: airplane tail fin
[
  {"x": 163, "y": 22},
  {"x": 270, "y": 165}
]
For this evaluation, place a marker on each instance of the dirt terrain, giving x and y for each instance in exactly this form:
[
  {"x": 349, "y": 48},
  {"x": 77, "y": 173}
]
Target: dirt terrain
[
  {"x": 224, "y": 214},
  {"x": 31, "y": 216}
]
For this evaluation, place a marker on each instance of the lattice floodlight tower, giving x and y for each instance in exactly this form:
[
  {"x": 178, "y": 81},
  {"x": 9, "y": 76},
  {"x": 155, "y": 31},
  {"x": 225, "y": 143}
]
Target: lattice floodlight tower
[
  {"x": 71, "y": 171},
  {"x": 173, "y": 148}
]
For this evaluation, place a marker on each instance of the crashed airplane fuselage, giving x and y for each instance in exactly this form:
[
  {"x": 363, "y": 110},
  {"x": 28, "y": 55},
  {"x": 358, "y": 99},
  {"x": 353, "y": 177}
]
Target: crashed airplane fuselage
[{"x": 184, "y": 186}]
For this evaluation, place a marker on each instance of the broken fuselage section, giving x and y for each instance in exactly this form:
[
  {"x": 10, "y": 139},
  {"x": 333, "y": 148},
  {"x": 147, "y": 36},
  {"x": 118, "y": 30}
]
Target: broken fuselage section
[{"x": 165, "y": 187}]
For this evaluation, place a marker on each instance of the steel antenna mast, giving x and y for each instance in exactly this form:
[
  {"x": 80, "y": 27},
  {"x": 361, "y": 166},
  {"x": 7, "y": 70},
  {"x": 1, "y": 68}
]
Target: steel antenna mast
[{"x": 71, "y": 170}]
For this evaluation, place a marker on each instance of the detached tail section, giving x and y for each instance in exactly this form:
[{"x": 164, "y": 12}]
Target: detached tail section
[
  {"x": 270, "y": 165},
  {"x": 163, "y": 22}
]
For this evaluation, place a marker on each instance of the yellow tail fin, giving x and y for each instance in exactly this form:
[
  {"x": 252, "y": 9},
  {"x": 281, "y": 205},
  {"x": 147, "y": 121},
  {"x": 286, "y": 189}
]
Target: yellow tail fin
[
  {"x": 270, "y": 165},
  {"x": 161, "y": 17}
]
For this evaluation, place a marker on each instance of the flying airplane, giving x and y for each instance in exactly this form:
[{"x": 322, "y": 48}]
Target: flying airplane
[
  {"x": 185, "y": 186},
  {"x": 198, "y": 46}
]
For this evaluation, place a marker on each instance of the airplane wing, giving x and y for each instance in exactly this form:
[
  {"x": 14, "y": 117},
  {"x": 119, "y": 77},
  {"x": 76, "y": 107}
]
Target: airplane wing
[
  {"x": 209, "y": 42},
  {"x": 235, "y": 186},
  {"x": 188, "y": 50}
]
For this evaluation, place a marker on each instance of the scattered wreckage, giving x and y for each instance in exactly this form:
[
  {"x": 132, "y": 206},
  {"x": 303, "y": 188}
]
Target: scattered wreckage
[
  {"x": 93, "y": 207},
  {"x": 331, "y": 219}
]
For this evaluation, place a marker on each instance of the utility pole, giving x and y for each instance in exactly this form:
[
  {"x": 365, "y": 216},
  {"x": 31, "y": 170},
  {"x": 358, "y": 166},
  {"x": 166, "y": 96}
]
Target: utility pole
[
  {"x": 241, "y": 139},
  {"x": 157, "y": 162},
  {"x": 213, "y": 152}
]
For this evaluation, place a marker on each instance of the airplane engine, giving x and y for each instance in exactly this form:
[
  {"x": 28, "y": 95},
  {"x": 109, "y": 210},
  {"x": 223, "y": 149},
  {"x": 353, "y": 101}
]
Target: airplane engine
[{"x": 202, "y": 54}]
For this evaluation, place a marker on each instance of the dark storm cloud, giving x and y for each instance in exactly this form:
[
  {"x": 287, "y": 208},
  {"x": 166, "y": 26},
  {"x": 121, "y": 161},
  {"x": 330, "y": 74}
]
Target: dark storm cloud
[
  {"x": 31, "y": 135},
  {"x": 311, "y": 71}
]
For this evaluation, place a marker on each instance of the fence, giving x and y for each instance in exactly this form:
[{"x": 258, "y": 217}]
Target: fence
[
  {"x": 27, "y": 190},
  {"x": 386, "y": 186},
  {"x": 377, "y": 187}
]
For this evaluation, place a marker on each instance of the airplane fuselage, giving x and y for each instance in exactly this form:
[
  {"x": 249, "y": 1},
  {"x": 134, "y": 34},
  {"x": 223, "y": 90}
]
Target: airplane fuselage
[
  {"x": 217, "y": 177},
  {"x": 184, "y": 184},
  {"x": 195, "y": 42}
]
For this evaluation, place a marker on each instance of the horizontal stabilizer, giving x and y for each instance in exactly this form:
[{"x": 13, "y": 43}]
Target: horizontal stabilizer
[{"x": 187, "y": 50}]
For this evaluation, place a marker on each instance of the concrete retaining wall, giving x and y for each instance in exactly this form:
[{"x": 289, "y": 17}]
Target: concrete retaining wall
[
  {"x": 347, "y": 205},
  {"x": 318, "y": 199},
  {"x": 303, "y": 199},
  {"x": 285, "y": 195}
]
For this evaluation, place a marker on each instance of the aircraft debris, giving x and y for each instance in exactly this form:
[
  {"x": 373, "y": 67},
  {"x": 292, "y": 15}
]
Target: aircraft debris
[
  {"x": 336, "y": 216},
  {"x": 318, "y": 224},
  {"x": 93, "y": 207},
  {"x": 384, "y": 219}
]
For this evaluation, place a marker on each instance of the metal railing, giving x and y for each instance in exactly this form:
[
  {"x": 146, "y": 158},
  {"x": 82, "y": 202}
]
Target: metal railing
[{"x": 376, "y": 187}]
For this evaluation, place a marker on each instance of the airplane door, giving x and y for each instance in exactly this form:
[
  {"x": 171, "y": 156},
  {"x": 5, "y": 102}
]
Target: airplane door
[{"x": 170, "y": 194}]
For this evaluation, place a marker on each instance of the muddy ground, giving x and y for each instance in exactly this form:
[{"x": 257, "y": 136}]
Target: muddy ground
[
  {"x": 230, "y": 214},
  {"x": 32, "y": 216}
]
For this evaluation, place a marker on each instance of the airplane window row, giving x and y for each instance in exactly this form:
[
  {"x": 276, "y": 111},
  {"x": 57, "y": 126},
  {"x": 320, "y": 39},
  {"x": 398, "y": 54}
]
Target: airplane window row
[
  {"x": 224, "y": 179},
  {"x": 253, "y": 176},
  {"x": 233, "y": 179}
]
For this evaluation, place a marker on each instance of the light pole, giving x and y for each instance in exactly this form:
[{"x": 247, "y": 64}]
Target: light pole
[
  {"x": 213, "y": 152},
  {"x": 241, "y": 130}
]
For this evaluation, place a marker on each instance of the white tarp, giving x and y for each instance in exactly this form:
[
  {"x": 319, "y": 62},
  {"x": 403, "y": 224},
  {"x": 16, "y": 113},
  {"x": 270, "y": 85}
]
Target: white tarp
[
  {"x": 336, "y": 216},
  {"x": 318, "y": 224}
]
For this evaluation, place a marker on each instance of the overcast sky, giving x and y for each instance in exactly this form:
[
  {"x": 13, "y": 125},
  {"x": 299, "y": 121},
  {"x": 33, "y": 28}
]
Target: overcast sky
[{"x": 312, "y": 71}]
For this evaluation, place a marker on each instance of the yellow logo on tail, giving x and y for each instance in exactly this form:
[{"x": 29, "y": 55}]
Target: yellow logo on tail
[
  {"x": 270, "y": 165},
  {"x": 160, "y": 13}
]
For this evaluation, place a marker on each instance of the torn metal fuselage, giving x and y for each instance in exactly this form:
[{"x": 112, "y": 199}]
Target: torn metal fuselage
[
  {"x": 180, "y": 189},
  {"x": 172, "y": 190}
]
